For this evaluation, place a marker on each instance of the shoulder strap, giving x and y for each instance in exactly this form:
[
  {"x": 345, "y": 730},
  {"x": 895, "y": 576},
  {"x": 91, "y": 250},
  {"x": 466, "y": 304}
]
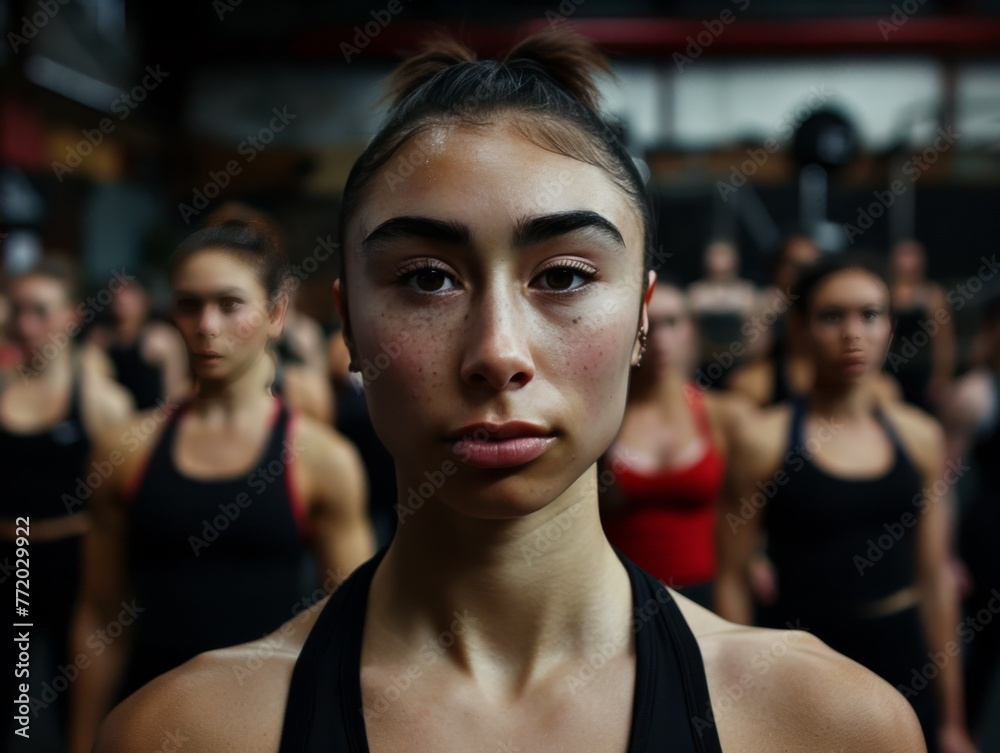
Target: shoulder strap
[
  {"x": 76, "y": 395},
  {"x": 159, "y": 457},
  {"x": 797, "y": 422},
  {"x": 697, "y": 402},
  {"x": 328, "y": 669},
  {"x": 673, "y": 707}
]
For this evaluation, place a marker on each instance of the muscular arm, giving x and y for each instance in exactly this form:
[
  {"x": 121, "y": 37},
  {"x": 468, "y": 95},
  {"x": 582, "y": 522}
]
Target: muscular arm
[
  {"x": 964, "y": 409},
  {"x": 337, "y": 498},
  {"x": 103, "y": 591},
  {"x": 739, "y": 526},
  {"x": 942, "y": 344},
  {"x": 165, "y": 347},
  {"x": 935, "y": 580}
]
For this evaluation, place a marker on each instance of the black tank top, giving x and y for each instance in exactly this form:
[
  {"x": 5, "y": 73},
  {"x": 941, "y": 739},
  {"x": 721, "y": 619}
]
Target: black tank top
[
  {"x": 44, "y": 472},
  {"x": 671, "y": 709},
  {"x": 979, "y": 526},
  {"x": 836, "y": 541},
  {"x": 143, "y": 379},
  {"x": 781, "y": 390},
  {"x": 216, "y": 562}
]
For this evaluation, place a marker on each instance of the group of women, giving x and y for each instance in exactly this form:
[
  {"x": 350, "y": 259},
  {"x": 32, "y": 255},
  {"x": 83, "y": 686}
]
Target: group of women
[{"x": 540, "y": 398}]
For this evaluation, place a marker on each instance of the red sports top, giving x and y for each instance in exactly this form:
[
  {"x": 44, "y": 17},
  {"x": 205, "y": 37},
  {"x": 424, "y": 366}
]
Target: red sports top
[{"x": 666, "y": 524}]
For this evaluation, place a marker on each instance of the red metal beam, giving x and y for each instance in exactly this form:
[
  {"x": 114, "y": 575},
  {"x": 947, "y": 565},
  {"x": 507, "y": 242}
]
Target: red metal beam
[{"x": 658, "y": 37}]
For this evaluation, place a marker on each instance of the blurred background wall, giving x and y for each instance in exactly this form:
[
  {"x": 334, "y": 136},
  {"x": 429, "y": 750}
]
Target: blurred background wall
[{"x": 123, "y": 123}]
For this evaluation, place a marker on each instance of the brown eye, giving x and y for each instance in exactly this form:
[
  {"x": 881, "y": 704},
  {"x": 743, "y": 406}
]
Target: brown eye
[
  {"x": 564, "y": 279},
  {"x": 430, "y": 280},
  {"x": 560, "y": 278}
]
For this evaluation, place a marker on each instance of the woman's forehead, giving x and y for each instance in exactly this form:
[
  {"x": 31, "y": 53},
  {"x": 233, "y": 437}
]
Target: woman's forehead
[
  {"x": 851, "y": 286},
  {"x": 488, "y": 177},
  {"x": 208, "y": 267}
]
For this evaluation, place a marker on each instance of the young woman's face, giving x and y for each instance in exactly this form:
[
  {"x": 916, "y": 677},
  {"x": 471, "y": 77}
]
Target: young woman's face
[
  {"x": 223, "y": 313},
  {"x": 41, "y": 314},
  {"x": 671, "y": 333},
  {"x": 849, "y": 325},
  {"x": 495, "y": 283}
]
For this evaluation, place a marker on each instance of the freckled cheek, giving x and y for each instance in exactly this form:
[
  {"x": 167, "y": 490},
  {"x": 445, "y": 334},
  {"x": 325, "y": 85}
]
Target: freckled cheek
[
  {"x": 404, "y": 357},
  {"x": 590, "y": 371}
]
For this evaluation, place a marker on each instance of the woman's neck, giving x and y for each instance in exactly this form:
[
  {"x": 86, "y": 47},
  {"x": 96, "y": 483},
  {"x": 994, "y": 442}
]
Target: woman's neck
[
  {"x": 229, "y": 396},
  {"x": 842, "y": 400},
  {"x": 127, "y": 330},
  {"x": 527, "y": 593},
  {"x": 53, "y": 371},
  {"x": 664, "y": 388}
]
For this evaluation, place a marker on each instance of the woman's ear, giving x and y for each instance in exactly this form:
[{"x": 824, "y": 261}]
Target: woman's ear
[
  {"x": 276, "y": 316},
  {"x": 647, "y": 295},
  {"x": 340, "y": 303}
]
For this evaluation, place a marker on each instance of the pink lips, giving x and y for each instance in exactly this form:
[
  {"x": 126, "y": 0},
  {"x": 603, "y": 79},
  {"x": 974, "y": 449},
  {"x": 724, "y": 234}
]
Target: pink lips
[{"x": 501, "y": 445}]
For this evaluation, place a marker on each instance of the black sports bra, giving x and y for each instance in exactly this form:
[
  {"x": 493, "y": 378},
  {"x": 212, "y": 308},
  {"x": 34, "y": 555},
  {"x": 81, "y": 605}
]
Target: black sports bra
[{"x": 671, "y": 709}]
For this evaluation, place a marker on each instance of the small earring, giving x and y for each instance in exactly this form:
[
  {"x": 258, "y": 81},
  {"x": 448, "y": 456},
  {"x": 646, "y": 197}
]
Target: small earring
[
  {"x": 642, "y": 346},
  {"x": 351, "y": 366}
]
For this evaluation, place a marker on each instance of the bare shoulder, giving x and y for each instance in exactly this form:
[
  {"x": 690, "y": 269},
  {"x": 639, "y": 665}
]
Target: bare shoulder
[
  {"x": 105, "y": 402},
  {"x": 760, "y": 438},
  {"x": 225, "y": 700},
  {"x": 729, "y": 406},
  {"x": 727, "y": 410},
  {"x": 126, "y": 443},
  {"x": 920, "y": 433},
  {"x": 973, "y": 396},
  {"x": 321, "y": 443},
  {"x": 753, "y": 380},
  {"x": 330, "y": 467},
  {"x": 787, "y": 690}
]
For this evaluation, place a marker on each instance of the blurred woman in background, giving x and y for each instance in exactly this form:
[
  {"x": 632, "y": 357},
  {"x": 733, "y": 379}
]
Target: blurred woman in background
[
  {"x": 205, "y": 522},
  {"x": 922, "y": 356},
  {"x": 667, "y": 466},
  {"x": 847, "y": 487},
  {"x": 52, "y": 406}
]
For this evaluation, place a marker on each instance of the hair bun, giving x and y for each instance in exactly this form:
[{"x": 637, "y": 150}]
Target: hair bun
[
  {"x": 569, "y": 58},
  {"x": 438, "y": 53}
]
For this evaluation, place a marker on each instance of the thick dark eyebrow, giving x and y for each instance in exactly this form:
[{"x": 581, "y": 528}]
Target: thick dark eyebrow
[
  {"x": 224, "y": 292},
  {"x": 533, "y": 230},
  {"x": 529, "y": 230},
  {"x": 441, "y": 231}
]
